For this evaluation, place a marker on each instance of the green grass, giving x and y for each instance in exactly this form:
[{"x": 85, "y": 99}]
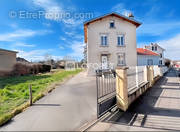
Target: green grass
[{"x": 14, "y": 92}]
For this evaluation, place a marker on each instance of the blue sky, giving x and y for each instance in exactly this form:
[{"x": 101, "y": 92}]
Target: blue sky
[{"x": 35, "y": 36}]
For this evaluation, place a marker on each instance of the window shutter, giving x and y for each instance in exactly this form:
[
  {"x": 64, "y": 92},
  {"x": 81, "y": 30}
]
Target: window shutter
[
  {"x": 118, "y": 38},
  {"x": 101, "y": 40},
  {"x": 122, "y": 41},
  {"x": 105, "y": 39}
]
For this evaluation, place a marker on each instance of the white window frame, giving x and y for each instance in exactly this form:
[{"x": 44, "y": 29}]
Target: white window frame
[
  {"x": 102, "y": 40},
  {"x": 121, "y": 36},
  {"x": 121, "y": 62},
  {"x": 112, "y": 21}
]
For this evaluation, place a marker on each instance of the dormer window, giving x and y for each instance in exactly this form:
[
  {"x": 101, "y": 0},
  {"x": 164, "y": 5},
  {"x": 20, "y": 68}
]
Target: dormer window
[
  {"x": 112, "y": 24},
  {"x": 155, "y": 48}
]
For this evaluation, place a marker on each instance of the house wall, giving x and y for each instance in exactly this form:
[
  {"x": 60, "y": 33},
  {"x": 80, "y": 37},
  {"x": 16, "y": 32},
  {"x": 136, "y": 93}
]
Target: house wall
[
  {"x": 143, "y": 60},
  {"x": 159, "y": 51},
  {"x": 94, "y": 49},
  {"x": 7, "y": 61}
]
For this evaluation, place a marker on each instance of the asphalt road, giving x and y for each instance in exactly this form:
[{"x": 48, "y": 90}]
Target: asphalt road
[
  {"x": 157, "y": 110},
  {"x": 66, "y": 108}
]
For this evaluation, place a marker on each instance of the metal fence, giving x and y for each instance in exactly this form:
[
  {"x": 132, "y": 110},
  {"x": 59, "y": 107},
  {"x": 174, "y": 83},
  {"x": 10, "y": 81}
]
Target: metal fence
[{"x": 106, "y": 91}]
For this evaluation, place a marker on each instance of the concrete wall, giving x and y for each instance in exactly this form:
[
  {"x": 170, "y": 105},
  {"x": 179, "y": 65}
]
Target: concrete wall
[
  {"x": 143, "y": 60},
  {"x": 95, "y": 50},
  {"x": 7, "y": 61}
]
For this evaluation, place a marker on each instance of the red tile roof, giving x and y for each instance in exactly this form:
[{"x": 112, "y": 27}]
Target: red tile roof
[{"x": 142, "y": 51}]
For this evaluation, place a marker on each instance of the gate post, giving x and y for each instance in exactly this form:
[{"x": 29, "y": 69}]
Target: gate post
[
  {"x": 151, "y": 75},
  {"x": 146, "y": 70},
  {"x": 121, "y": 88}
]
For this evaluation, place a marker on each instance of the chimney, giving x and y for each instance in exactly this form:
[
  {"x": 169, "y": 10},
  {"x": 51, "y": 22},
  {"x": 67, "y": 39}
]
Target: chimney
[{"x": 130, "y": 15}]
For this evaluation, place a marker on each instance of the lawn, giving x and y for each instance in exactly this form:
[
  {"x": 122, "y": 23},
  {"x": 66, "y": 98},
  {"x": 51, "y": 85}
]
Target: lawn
[{"x": 14, "y": 91}]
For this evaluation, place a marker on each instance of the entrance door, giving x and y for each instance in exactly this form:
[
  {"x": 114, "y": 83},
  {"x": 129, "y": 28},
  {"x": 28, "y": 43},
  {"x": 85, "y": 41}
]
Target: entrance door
[{"x": 104, "y": 62}]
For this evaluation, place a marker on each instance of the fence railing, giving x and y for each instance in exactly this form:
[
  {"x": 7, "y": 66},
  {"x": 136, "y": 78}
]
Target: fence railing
[
  {"x": 106, "y": 90},
  {"x": 135, "y": 76},
  {"x": 159, "y": 70},
  {"x": 106, "y": 83}
]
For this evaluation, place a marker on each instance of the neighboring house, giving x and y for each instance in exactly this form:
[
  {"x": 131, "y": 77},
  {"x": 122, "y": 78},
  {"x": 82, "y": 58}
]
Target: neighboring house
[
  {"x": 19, "y": 59},
  {"x": 159, "y": 50},
  {"x": 7, "y": 61},
  {"x": 110, "y": 41},
  {"x": 147, "y": 57}
]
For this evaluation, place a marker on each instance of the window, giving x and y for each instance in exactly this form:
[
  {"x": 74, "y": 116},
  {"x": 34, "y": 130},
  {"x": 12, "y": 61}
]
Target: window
[
  {"x": 104, "y": 40},
  {"x": 160, "y": 55},
  {"x": 152, "y": 48},
  {"x": 150, "y": 62},
  {"x": 112, "y": 25},
  {"x": 120, "y": 40},
  {"x": 121, "y": 59},
  {"x": 155, "y": 48}
]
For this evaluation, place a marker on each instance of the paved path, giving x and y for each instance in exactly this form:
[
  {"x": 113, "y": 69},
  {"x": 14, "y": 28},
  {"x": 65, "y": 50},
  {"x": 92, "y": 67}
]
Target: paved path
[
  {"x": 158, "y": 109},
  {"x": 67, "y": 107}
]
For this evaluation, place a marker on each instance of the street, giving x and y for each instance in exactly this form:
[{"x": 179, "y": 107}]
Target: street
[{"x": 67, "y": 107}]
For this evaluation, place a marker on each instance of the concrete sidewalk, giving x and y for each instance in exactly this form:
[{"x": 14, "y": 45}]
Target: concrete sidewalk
[
  {"x": 66, "y": 108},
  {"x": 158, "y": 109}
]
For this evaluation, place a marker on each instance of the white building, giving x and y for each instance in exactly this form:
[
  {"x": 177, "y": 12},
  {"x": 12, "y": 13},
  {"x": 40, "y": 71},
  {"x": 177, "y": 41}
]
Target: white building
[
  {"x": 147, "y": 57},
  {"x": 111, "y": 41},
  {"x": 159, "y": 50}
]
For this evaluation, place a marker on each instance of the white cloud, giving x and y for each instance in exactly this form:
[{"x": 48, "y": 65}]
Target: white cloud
[
  {"x": 47, "y": 24},
  {"x": 51, "y": 7},
  {"x": 55, "y": 11},
  {"x": 61, "y": 47},
  {"x": 78, "y": 49},
  {"x": 120, "y": 8},
  {"x": 62, "y": 38},
  {"x": 74, "y": 35},
  {"x": 36, "y": 55},
  {"x": 172, "y": 47},
  {"x": 160, "y": 28},
  {"x": 21, "y": 33},
  {"x": 13, "y": 25},
  {"x": 16, "y": 34},
  {"x": 21, "y": 44}
]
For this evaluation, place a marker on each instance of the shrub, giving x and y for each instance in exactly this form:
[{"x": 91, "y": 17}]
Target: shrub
[
  {"x": 21, "y": 69},
  {"x": 46, "y": 68}
]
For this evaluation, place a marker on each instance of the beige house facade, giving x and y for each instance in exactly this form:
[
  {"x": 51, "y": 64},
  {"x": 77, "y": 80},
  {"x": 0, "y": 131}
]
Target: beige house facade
[
  {"x": 7, "y": 61},
  {"x": 110, "y": 42}
]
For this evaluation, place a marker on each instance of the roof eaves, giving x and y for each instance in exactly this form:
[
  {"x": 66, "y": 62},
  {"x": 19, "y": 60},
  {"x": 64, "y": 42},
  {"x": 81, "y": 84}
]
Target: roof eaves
[
  {"x": 133, "y": 20},
  {"x": 8, "y": 50}
]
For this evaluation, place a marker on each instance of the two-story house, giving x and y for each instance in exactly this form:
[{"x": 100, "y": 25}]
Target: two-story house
[
  {"x": 110, "y": 41},
  {"x": 159, "y": 50}
]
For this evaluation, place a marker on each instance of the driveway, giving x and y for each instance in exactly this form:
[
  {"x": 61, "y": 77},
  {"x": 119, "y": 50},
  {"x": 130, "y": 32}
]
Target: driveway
[
  {"x": 158, "y": 109},
  {"x": 67, "y": 107}
]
